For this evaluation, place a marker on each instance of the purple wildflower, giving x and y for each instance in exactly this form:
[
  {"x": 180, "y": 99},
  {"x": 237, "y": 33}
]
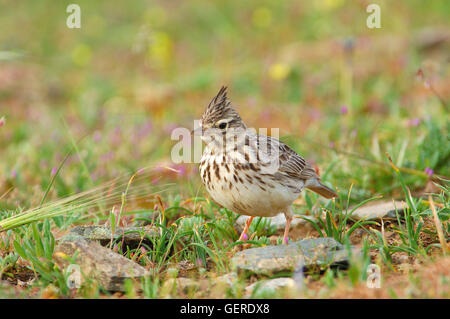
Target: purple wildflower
[
  {"x": 54, "y": 170},
  {"x": 97, "y": 136},
  {"x": 106, "y": 157},
  {"x": 43, "y": 163},
  {"x": 429, "y": 171},
  {"x": 344, "y": 109},
  {"x": 155, "y": 180},
  {"x": 181, "y": 170},
  {"x": 13, "y": 173},
  {"x": 413, "y": 122},
  {"x": 315, "y": 114},
  {"x": 265, "y": 115},
  {"x": 145, "y": 129},
  {"x": 245, "y": 236},
  {"x": 116, "y": 137},
  {"x": 170, "y": 127},
  {"x": 94, "y": 176}
]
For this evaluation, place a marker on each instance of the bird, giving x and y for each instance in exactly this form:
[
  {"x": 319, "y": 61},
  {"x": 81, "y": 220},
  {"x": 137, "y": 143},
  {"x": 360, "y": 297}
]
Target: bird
[{"x": 248, "y": 173}]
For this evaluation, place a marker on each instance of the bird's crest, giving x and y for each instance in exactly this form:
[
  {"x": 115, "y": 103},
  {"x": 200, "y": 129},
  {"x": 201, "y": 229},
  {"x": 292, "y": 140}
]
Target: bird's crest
[
  {"x": 219, "y": 108},
  {"x": 217, "y": 105}
]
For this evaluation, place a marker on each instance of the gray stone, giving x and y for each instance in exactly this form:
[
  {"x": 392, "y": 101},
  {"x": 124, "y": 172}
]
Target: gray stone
[
  {"x": 272, "y": 285},
  {"x": 306, "y": 253},
  {"x": 382, "y": 209},
  {"x": 278, "y": 221},
  {"x": 131, "y": 236},
  {"x": 227, "y": 279},
  {"x": 109, "y": 269}
]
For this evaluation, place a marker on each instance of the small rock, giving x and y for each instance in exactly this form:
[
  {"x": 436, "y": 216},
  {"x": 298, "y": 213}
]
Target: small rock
[
  {"x": 21, "y": 283},
  {"x": 97, "y": 262},
  {"x": 383, "y": 209},
  {"x": 306, "y": 253},
  {"x": 271, "y": 285},
  {"x": 356, "y": 236},
  {"x": 389, "y": 234},
  {"x": 227, "y": 279},
  {"x": 400, "y": 258},
  {"x": 279, "y": 221},
  {"x": 131, "y": 236},
  {"x": 186, "y": 266}
]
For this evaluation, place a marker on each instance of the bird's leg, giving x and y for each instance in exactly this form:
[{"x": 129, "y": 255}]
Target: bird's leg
[
  {"x": 244, "y": 235},
  {"x": 286, "y": 229}
]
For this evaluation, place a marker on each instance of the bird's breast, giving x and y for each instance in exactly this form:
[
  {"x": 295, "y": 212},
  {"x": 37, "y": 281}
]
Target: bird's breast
[{"x": 243, "y": 187}]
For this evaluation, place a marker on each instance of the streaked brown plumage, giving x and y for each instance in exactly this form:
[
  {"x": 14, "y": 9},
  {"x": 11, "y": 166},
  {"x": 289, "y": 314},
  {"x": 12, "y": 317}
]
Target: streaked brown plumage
[{"x": 251, "y": 174}]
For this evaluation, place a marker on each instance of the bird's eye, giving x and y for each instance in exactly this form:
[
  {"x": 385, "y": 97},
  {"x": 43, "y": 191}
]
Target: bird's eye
[{"x": 223, "y": 126}]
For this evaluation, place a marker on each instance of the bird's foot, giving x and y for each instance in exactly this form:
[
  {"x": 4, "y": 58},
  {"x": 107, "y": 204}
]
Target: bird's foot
[{"x": 244, "y": 236}]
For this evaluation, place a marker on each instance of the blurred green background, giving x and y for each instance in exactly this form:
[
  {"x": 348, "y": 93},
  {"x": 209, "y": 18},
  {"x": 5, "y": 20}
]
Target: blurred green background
[{"x": 137, "y": 69}]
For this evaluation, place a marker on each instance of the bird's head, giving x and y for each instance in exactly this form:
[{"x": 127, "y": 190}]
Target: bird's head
[{"x": 220, "y": 118}]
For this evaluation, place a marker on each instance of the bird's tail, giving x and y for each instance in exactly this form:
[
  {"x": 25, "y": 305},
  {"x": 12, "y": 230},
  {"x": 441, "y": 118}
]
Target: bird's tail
[{"x": 316, "y": 186}]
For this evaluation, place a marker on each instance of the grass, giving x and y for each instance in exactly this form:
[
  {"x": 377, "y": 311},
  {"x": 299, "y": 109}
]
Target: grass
[
  {"x": 335, "y": 223},
  {"x": 86, "y": 117}
]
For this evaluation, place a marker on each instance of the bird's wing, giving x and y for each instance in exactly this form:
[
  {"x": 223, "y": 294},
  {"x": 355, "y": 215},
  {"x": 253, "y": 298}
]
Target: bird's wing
[{"x": 290, "y": 163}]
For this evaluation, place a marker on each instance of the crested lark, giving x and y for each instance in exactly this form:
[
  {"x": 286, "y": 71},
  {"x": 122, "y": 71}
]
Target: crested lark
[{"x": 251, "y": 174}]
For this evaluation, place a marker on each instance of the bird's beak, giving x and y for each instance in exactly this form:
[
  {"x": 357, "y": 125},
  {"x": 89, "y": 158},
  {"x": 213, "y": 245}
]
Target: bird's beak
[{"x": 198, "y": 131}]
